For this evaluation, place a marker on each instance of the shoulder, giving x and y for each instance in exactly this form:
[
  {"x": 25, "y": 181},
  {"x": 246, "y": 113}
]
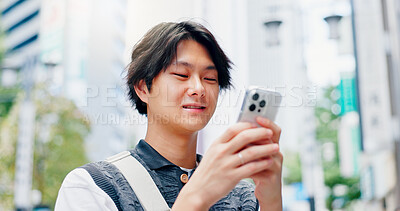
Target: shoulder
[
  {"x": 100, "y": 168},
  {"x": 240, "y": 198},
  {"x": 82, "y": 178},
  {"x": 78, "y": 189},
  {"x": 78, "y": 178}
]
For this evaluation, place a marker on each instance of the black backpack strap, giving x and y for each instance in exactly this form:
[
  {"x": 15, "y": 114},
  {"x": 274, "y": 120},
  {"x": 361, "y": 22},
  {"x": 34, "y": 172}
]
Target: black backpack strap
[{"x": 99, "y": 178}]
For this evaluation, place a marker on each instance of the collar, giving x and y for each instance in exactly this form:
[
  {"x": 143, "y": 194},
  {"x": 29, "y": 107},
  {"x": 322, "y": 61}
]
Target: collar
[{"x": 152, "y": 158}]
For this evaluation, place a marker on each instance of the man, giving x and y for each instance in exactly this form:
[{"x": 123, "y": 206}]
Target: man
[{"x": 175, "y": 76}]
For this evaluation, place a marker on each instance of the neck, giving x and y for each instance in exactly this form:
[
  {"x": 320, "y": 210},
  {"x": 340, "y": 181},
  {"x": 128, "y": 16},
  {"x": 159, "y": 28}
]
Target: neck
[{"x": 178, "y": 148}]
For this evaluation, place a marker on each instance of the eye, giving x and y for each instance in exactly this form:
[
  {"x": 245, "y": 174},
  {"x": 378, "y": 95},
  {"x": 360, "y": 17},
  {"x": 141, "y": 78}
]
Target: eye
[
  {"x": 210, "y": 79},
  {"x": 181, "y": 75}
]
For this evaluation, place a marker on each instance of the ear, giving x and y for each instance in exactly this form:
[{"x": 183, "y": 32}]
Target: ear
[{"x": 142, "y": 91}]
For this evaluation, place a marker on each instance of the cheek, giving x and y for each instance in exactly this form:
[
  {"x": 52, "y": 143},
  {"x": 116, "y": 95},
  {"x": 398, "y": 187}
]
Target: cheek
[
  {"x": 172, "y": 94},
  {"x": 213, "y": 96}
]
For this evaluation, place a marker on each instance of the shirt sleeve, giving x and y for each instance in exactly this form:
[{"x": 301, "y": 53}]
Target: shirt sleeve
[{"x": 79, "y": 192}]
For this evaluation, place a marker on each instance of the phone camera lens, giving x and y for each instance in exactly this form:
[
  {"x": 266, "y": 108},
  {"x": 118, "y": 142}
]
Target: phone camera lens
[
  {"x": 262, "y": 103},
  {"x": 252, "y": 107},
  {"x": 256, "y": 96}
]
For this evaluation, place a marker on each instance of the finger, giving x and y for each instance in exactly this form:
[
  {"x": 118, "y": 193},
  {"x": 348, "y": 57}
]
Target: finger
[
  {"x": 256, "y": 152},
  {"x": 233, "y": 130},
  {"x": 248, "y": 169},
  {"x": 261, "y": 142},
  {"x": 264, "y": 122},
  {"x": 245, "y": 137},
  {"x": 276, "y": 163},
  {"x": 277, "y": 159},
  {"x": 275, "y": 168},
  {"x": 279, "y": 156}
]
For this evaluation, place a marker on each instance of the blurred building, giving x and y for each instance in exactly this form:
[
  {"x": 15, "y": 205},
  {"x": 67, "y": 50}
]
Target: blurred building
[
  {"x": 20, "y": 21},
  {"x": 78, "y": 45},
  {"x": 377, "y": 38},
  {"x": 372, "y": 153},
  {"x": 374, "y": 68}
]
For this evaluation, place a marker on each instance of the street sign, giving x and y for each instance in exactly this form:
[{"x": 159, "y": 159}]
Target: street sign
[{"x": 348, "y": 93}]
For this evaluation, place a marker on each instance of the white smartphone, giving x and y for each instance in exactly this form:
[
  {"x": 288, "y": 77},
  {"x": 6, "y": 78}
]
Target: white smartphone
[{"x": 259, "y": 102}]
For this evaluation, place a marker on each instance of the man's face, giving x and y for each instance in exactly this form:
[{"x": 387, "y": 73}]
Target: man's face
[{"x": 184, "y": 96}]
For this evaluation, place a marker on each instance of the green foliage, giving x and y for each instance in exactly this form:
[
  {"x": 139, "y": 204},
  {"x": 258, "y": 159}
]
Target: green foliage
[
  {"x": 327, "y": 132},
  {"x": 8, "y": 131},
  {"x": 292, "y": 165},
  {"x": 60, "y": 130},
  {"x": 7, "y": 97}
]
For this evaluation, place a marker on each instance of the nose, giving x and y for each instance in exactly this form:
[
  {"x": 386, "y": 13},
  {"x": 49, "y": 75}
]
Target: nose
[{"x": 196, "y": 87}]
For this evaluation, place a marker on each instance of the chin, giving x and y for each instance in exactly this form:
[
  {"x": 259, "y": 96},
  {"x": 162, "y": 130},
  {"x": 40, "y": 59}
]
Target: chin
[
  {"x": 193, "y": 124},
  {"x": 196, "y": 127},
  {"x": 191, "y": 129}
]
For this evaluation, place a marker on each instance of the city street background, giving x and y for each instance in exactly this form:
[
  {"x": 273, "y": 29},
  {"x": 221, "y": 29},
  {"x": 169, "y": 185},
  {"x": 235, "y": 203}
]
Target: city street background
[{"x": 63, "y": 99}]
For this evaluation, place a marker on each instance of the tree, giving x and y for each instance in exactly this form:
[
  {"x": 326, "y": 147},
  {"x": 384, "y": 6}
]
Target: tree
[
  {"x": 327, "y": 132},
  {"x": 60, "y": 130},
  {"x": 7, "y": 96}
]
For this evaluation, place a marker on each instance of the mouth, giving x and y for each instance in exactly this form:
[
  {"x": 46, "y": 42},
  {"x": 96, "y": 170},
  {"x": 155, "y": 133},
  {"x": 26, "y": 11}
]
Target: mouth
[{"x": 194, "y": 107}]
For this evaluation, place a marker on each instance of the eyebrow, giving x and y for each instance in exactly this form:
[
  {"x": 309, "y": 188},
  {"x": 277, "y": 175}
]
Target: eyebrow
[{"x": 186, "y": 64}]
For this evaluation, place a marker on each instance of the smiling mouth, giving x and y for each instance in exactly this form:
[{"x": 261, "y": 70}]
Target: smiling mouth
[{"x": 194, "y": 107}]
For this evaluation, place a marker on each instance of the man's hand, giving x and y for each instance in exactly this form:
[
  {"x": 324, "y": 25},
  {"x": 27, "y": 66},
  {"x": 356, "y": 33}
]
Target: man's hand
[{"x": 243, "y": 151}]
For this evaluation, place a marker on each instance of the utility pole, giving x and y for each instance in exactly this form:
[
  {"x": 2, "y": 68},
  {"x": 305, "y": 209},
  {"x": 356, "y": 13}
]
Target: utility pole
[
  {"x": 354, "y": 37},
  {"x": 25, "y": 142}
]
